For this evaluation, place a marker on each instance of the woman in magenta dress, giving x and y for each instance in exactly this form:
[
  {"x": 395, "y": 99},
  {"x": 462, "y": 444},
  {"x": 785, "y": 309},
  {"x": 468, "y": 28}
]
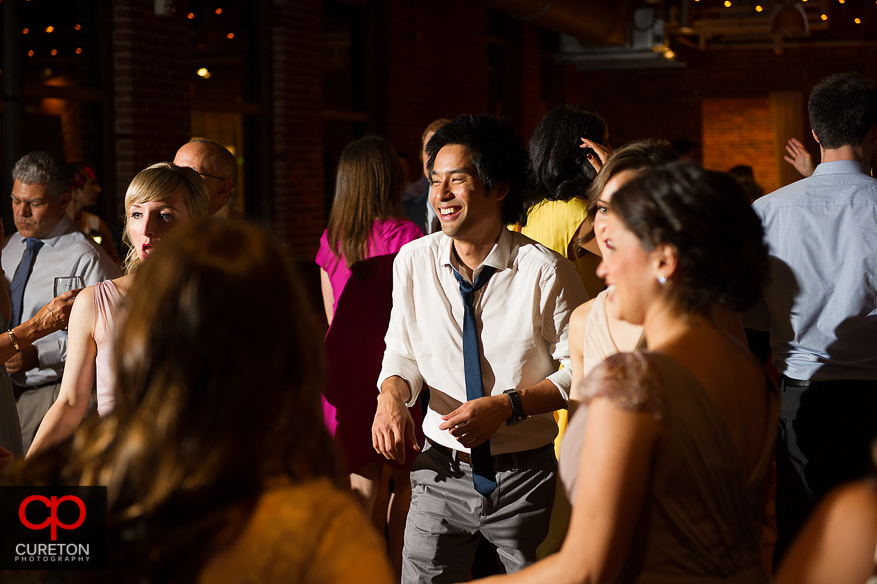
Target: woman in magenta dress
[{"x": 366, "y": 222}]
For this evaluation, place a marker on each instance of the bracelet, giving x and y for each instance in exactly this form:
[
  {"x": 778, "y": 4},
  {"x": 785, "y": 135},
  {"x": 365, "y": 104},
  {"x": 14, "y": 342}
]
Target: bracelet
[{"x": 14, "y": 340}]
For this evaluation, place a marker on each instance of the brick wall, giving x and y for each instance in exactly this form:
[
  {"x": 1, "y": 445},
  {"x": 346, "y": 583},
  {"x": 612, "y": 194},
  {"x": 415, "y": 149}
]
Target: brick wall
[
  {"x": 151, "y": 87},
  {"x": 430, "y": 62},
  {"x": 532, "y": 106},
  {"x": 669, "y": 103},
  {"x": 740, "y": 131},
  {"x": 298, "y": 125}
]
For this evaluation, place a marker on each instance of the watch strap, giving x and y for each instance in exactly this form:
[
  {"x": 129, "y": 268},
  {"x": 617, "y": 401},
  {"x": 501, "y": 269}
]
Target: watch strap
[{"x": 518, "y": 414}]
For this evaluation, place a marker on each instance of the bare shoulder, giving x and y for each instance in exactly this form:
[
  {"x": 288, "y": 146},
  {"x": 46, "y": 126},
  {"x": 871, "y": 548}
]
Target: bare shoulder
[
  {"x": 854, "y": 504},
  {"x": 85, "y": 297},
  {"x": 580, "y": 314}
]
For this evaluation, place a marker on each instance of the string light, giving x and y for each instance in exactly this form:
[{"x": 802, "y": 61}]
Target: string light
[
  {"x": 758, "y": 8},
  {"x": 30, "y": 53},
  {"x": 824, "y": 17},
  {"x": 78, "y": 50},
  {"x": 78, "y": 27},
  {"x": 204, "y": 73},
  {"x": 54, "y": 52},
  {"x": 218, "y": 11},
  {"x": 50, "y": 29},
  {"x": 191, "y": 16},
  {"x": 842, "y": 1},
  {"x": 229, "y": 36},
  {"x": 727, "y": 3},
  {"x": 25, "y": 31},
  {"x": 858, "y": 21}
]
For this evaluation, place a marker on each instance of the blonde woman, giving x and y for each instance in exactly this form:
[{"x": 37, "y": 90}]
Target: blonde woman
[{"x": 159, "y": 198}]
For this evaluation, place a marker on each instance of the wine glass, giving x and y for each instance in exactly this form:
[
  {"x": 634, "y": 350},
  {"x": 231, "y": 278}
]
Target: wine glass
[{"x": 65, "y": 283}]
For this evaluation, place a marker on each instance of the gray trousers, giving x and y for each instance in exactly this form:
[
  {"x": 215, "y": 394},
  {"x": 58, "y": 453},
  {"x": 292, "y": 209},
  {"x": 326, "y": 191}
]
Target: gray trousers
[
  {"x": 32, "y": 405},
  {"x": 448, "y": 517}
]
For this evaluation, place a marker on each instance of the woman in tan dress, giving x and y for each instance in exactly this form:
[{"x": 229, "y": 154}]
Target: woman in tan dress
[{"x": 674, "y": 443}]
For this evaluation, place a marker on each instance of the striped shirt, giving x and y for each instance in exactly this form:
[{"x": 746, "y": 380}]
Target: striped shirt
[{"x": 821, "y": 301}]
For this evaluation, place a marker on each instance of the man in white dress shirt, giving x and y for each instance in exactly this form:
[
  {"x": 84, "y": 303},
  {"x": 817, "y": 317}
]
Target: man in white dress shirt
[
  {"x": 47, "y": 245},
  {"x": 488, "y": 467},
  {"x": 216, "y": 165},
  {"x": 821, "y": 304}
]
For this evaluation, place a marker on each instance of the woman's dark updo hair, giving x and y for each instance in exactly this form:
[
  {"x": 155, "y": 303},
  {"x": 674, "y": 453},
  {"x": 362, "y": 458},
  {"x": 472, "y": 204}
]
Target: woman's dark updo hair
[
  {"x": 561, "y": 170},
  {"x": 707, "y": 218}
]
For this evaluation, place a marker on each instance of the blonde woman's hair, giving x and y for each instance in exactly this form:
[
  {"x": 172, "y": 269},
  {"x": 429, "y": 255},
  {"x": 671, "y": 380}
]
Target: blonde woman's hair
[{"x": 159, "y": 181}]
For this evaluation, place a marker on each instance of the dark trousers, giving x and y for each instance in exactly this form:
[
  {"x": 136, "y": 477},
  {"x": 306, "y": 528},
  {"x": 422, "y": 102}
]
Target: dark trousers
[{"x": 825, "y": 434}]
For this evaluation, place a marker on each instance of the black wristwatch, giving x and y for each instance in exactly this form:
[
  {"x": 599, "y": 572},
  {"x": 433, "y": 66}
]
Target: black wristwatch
[{"x": 518, "y": 414}]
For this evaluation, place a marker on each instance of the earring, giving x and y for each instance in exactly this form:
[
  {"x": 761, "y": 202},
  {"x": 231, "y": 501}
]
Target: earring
[{"x": 662, "y": 279}]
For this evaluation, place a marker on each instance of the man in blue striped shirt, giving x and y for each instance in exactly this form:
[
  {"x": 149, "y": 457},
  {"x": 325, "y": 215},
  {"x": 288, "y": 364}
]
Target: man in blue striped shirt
[{"x": 821, "y": 304}]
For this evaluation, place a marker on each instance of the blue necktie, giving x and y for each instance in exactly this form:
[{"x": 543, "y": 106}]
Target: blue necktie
[
  {"x": 482, "y": 464},
  {"x": 19, "y": 281}
]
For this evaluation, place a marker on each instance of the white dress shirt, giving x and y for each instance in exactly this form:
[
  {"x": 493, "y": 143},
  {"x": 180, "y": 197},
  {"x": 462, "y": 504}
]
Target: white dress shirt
[
  {"x": 522, "y": 315},
  {"x": 821, "y": 300},
  {"x": 66, "y": 252}
]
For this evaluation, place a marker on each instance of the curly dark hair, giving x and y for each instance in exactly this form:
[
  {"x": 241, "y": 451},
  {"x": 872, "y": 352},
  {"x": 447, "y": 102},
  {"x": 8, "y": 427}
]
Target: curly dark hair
[
  {"x": 561, "y": 170},
  {"x": 842, "y": 109},
  {"x": 497, "y": 153},
  {"x": 707, "y": 218}
]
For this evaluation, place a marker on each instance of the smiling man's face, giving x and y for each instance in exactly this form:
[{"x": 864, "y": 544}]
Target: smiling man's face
[{"x": 461, "y": 201}]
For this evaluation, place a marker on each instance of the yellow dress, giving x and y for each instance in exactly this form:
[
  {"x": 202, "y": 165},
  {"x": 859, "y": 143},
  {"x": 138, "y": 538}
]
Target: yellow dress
[
  {"x": 310, "y": 533},
  {"x": 554, "y": 224}
]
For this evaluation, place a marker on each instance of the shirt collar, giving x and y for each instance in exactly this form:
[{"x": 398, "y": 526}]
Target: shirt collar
[
  {"x": 841, "y": 167},
  {"x": 498, "y": 257},
  {"x": 62, "y": 228}
]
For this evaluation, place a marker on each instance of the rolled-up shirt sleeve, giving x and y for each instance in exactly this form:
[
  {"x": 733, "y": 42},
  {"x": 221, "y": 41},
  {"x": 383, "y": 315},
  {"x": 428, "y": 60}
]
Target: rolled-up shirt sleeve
[
  {"x": 399, "y": 357},
  {"x": 562, "y": 293}
]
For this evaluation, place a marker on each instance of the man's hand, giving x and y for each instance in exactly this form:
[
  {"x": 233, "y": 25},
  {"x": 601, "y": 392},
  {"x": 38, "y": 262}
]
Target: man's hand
[
  {"x": 25, "y": 360},
  {"x": 393, "y": 428},
  {"x": 799, "y": 157},
  {"x": 474, "y": 422},
  {"x": 54, "y": 315}
]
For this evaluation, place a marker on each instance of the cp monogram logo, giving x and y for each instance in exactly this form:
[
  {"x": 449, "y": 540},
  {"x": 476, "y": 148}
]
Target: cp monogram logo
[{"x": 52, "y": 505}]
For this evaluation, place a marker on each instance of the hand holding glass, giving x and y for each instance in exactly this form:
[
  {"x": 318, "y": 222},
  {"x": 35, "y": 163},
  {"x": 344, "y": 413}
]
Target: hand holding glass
[{"x": 65, "y": 283}]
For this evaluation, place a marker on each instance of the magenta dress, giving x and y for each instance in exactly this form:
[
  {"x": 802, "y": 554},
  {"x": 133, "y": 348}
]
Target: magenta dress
[
  {"x": 353, "y": 393},
  {"x": 388, "y": 237}
]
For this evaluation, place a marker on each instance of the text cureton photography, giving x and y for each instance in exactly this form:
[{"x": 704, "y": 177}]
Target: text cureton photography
[{"x": 53, "y": 527}]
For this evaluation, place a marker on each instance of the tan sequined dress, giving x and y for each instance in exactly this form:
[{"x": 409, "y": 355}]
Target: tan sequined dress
[{"x": 701, "y": 518}]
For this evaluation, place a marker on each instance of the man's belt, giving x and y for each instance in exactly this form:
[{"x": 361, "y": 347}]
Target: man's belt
[
  {"x": 17, "y": 390},
  {"x": 501, "y": 462},
  {"x": 789, "y": 382}
]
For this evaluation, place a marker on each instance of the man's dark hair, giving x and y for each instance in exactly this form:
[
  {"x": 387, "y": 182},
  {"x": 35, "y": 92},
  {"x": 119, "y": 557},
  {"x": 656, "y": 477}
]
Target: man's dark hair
[
  {"x": 497, "y": 154},
  {"x": 41, "y": 168},
  {"x": 842, "y": 107}
]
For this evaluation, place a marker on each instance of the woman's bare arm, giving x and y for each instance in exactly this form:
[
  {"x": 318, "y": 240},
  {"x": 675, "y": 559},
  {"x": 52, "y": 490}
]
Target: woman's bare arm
[{"x": 68, "y": 410}]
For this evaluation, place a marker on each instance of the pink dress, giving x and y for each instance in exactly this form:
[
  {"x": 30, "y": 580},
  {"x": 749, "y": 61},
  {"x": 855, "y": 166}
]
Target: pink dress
[
  {"x": 349, "y": 410},
  {"x": 106, "y": 297},
  {"x": 388, "y": 236}
]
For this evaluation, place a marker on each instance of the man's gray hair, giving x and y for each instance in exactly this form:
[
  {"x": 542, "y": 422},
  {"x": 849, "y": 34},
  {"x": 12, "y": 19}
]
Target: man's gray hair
[{"x": 41, "y": 168}]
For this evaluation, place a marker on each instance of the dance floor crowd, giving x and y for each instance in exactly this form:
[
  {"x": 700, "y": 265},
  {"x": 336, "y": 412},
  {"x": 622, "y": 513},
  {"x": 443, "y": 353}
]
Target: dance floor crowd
[{"x": 554, "y": 362}]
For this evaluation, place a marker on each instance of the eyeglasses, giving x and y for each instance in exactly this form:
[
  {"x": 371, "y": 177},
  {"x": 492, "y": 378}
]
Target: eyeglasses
[{"x": 210, "y": 176}]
